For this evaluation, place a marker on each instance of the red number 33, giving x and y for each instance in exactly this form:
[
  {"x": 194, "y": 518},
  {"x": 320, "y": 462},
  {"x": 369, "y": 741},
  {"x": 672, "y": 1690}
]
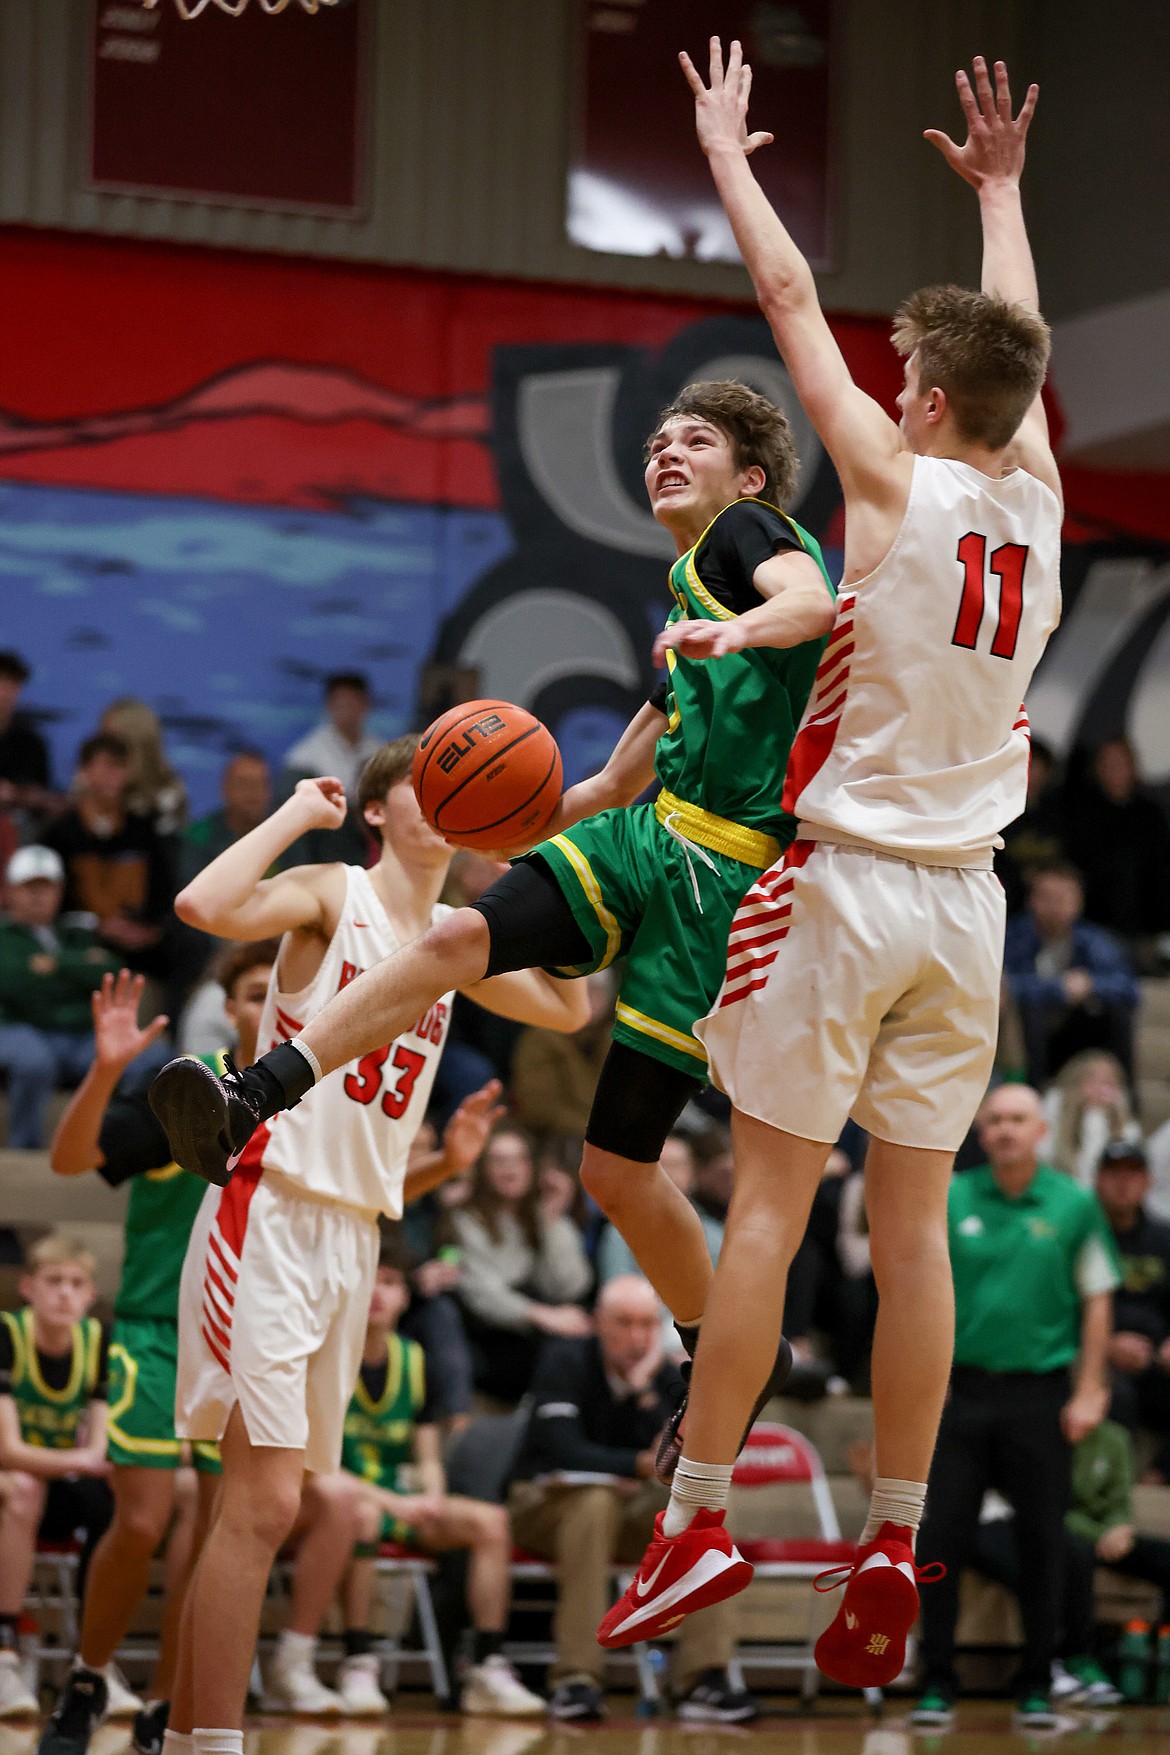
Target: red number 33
[{"x": 364, "y": 1084}]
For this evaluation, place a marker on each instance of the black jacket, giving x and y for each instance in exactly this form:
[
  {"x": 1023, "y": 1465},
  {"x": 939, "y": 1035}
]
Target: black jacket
[
  {"x": 578, "y": 1424},
  {"x": 1141, "y": 1304}
]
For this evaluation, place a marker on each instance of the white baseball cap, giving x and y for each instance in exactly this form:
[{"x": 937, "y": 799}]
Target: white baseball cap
[{"x": 29, "y": 863}]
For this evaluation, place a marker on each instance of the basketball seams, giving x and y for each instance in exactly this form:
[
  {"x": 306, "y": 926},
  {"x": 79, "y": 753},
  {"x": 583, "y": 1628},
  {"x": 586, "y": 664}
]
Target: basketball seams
[
  {"x": 495, "y": 755},
  {"x": 440, "y": 731},
  {"x": 504, "y": 783},
  {"x": 519, "y": 809}
]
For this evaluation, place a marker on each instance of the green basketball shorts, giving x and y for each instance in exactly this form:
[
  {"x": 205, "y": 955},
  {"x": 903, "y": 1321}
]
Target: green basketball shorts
[
  {"x": 664, "y": 904},
  {"x": 141, "y": 1420}
]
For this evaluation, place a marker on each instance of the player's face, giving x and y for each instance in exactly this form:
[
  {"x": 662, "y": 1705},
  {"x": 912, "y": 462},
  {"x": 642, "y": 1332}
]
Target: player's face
[
  {"x": 244, "y": 1006},
  {"x": 691, "y": 473},
  {"x": 59, "y": 1295},
  {"x": 406, "y": 829}
]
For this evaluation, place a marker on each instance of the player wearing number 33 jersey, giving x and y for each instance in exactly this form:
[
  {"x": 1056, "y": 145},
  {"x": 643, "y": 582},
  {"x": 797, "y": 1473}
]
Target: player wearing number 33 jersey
[{"x": 277, "y": 1277}]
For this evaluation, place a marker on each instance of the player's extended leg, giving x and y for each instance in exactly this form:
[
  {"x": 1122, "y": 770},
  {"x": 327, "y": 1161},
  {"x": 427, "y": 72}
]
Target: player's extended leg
[
  {"x": 120, "y": 1570},
  {"x": 259, "y": 1497},
  {"x": 659, "y": 1224},
  {"x": 692, "y": 1561},
  {"x": 914, "y": 1341}
]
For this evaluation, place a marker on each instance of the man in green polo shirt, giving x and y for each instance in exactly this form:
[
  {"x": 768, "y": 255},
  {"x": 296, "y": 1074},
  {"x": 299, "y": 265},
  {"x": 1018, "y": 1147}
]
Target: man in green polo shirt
[{"x": 1034, "y": 1268}]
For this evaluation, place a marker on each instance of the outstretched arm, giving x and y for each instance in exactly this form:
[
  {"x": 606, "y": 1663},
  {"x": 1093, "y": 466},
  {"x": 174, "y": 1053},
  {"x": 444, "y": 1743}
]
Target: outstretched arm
[
  {"x": 991, "y": 159},
  {"x": 74, "y": 1147},
  {"x": 232, "y": 898},
  {"x": 797, "y": 606},
  {"x": 859, "y": 437}
]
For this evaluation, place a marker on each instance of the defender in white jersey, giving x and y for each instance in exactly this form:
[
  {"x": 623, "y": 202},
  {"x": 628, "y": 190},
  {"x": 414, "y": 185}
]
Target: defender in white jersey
[
  {"x": 278, "y": 1274},
  {"x": 864, "y": 968}
]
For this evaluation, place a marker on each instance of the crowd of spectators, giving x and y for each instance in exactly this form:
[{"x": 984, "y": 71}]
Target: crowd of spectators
[{"x": 511, "y": 1267}]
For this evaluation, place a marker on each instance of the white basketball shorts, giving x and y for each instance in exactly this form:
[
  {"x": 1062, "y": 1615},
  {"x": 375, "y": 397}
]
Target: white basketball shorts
[
  {"x": 272, "y": 1314},
  {"x": 861, "y": 985}
]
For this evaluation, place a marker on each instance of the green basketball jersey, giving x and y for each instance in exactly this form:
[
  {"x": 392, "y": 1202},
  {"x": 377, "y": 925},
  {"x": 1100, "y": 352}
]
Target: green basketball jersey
[
  {"x": 379, "y": 1435},
  {"x": 159, "y": 1215},
  {"x": 731, "y": 721},
  {"x": 50, "y": 1417}
]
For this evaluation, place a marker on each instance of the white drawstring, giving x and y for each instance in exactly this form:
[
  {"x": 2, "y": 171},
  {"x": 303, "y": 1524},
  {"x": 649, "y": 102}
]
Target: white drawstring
[{"x": 688, "y": 848}]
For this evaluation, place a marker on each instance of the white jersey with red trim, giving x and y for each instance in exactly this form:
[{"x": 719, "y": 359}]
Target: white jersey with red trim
[
  {"x": 914, "y": 739},
  {"x": 349, "y": 1138}
]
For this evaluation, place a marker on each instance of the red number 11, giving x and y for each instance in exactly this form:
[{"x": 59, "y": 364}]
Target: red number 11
[{"x": 1008, "y": 564}]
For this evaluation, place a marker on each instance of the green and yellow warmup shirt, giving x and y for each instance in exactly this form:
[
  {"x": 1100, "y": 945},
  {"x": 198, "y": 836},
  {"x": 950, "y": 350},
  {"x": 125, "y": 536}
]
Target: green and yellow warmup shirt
[
  {"x": 163, "y": 1202},
  {"x": 1022, "y": 1267},
  {"x": 730, "y": 722},
  {"x": 390, "y": 1401},
  {"x": 51, "y": 1390}
]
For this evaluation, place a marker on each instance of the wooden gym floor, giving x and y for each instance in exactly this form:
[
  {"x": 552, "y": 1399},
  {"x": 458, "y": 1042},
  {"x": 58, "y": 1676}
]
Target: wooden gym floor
[{"x": 982, "y": 1728}]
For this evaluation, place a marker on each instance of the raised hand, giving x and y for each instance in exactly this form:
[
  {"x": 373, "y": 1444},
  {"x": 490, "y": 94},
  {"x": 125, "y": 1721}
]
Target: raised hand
[
  {"x": 466, "y": 1134},
  {"x": 993, "y": 151},
  {"x": 323, "y": 802},
  {"x": 117, "y": 1037},
  {"x": 698, "y": 639},
  {"x": 721, "y": 108}
]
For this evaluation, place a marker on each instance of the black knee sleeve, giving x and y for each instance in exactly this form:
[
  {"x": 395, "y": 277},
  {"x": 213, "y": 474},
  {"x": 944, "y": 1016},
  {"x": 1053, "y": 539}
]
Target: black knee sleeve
[
  {"x": 530, "y": 922},
  {"x": 638, "y": 1101}
]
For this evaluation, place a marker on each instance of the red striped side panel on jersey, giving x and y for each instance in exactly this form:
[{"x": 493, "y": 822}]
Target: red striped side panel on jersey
[
  {"x": 762, "y": 922},
  {"x": 225, "y": 1248},
  {"x": 826, "y": 702},
  {"x": 286, "y": 1027}
]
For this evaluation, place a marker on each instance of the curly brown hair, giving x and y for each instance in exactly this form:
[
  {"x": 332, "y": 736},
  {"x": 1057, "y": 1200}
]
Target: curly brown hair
[
  {"x": 988, "y": 355},
  {"x": 758, "y": 430}
]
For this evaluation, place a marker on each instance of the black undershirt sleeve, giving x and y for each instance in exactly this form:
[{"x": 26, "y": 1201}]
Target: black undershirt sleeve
[
  {"x": 132, "y": 1140},
  {"x": 741, "y": 539}
]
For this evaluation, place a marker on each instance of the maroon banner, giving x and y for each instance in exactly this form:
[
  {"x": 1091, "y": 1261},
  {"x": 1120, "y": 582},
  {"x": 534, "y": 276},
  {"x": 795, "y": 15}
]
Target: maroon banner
[
  {"x": 638, "y": 183},
  {"x": 260, "y": 110}
]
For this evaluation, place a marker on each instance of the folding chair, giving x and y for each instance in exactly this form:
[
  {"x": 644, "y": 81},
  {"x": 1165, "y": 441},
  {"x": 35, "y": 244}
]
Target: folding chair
[
  {"x": 534, "y": 1569},
  {"x": 395, "y": 1561},
  {"x": 780, "y": 1456},
  {"x": 52, "y": 1597}
]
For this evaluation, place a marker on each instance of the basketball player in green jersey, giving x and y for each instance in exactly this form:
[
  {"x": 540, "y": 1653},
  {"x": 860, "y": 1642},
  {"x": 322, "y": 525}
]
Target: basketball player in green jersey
[
  {"x": 116, "y": 1135},
  {"x": 656, "y": 884}
]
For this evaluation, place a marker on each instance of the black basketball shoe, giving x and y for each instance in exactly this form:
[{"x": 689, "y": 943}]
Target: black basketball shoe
[
  {"x": 670, "y": 1445},
  {"x": 149, "y": 1728},
  {"x": 76, "y": 1715},
  {"x": 208, "y": 1120}
]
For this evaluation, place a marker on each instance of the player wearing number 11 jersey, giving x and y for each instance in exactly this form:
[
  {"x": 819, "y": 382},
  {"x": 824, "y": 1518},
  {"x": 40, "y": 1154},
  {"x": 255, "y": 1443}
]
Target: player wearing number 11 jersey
[{"x": 864, "y": 967}]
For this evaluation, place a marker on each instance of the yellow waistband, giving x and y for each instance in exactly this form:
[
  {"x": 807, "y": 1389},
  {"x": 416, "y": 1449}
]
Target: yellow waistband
[{"x": 749, "y": 846}]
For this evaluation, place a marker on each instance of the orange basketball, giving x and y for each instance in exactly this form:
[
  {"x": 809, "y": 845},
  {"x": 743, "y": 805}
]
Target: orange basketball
[{"x": 487, "y": 774}]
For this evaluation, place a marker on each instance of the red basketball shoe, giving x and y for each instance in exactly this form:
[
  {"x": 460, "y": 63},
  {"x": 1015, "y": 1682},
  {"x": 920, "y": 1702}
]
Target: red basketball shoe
[
  {"x": 678, "y": 1575},
  {"x": 865, "y": 1645}
]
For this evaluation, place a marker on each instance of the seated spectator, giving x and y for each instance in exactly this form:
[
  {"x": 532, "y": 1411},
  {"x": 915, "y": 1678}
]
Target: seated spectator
[
  {"x": 714, "y": 1181},
  {"x": 153, "y": 789},
  {"x": 390, "y": 1429},
  {"x": 1140, "y": 1348},
  {"x": 25, "y": 774},
  {"x": 554, "y": 1077},
  {"x": 116, "y": 863},
  {"x": 813, "y": 1298},
  {"x": 521, "y": 1277},
  {"x": 1119, "y": 838},
  {"x": 1087, "y": 1106},
  {"x": 340, "y": 745},
  {"x": 328, "y": 1524},
  {"x": 1035, "y": 839},
  {"x": 1071, "y": 982},
  {"x": 245, "y": 791},
  {"x": 584, "y": 1495},
  {"x": 48, "y": 971},
  {"x": 53, "y": 1364}
]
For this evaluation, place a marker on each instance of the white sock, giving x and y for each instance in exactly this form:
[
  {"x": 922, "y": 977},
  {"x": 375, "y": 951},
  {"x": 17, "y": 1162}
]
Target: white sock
[
  {"x": 898, "y": 1502},
  {"x": 302, "y": 1047},
  {"x": 696, "y": 1487},
  {"x": 178, "y": 1743},
  {"x": 301, "y": 1647},
  {"x": 217, "y": 1742}
]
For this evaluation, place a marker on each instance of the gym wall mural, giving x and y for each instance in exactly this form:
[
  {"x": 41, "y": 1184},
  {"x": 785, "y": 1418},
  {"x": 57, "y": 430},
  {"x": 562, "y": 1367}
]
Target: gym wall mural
[{"x": 223, "y": 476}]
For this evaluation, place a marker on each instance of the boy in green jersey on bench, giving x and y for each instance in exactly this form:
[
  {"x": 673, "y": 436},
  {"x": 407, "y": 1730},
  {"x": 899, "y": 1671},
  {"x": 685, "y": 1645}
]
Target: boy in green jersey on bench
[{"x": 654, "y": 884}]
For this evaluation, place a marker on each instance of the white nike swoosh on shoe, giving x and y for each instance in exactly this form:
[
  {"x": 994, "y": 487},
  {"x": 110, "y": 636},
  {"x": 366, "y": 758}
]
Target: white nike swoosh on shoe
[
  {"x": 850, "y": 1620},
  {"x": 641, "y": 1588},
  {"x": 707, "y": 1567}
]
